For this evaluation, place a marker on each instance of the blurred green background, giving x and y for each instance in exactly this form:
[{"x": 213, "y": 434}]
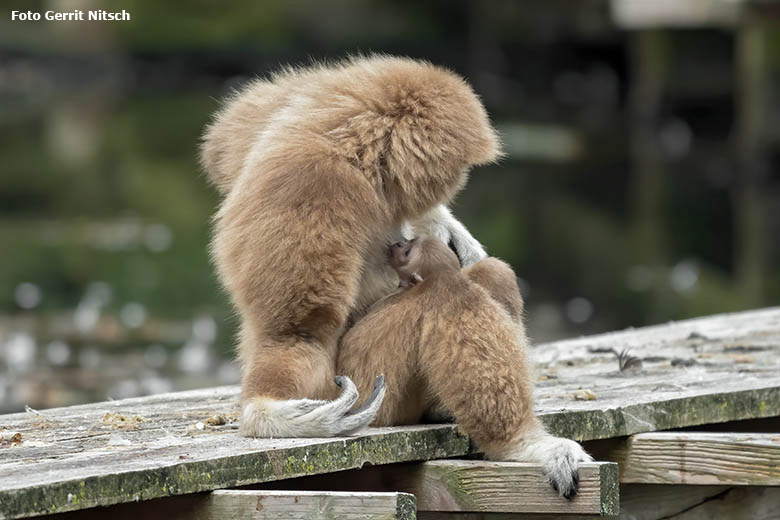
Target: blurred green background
[{"x": 640, "y": 185}]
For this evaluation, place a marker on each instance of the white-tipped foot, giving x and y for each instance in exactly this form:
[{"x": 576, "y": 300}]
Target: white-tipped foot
[
  {"x": 559, "y": 457},
  {"x": 265, "y": 417}
]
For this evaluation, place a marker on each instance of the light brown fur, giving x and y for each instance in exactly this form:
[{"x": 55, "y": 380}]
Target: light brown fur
[
  {"x": 447, "y": 340},
  {"x": 320, "y": 167},
  {"x": 455, "y": 340}
]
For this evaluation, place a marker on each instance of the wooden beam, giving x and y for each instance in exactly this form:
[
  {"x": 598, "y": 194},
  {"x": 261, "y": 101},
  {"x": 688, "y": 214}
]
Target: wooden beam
[
  {"x": 258, "y": 505},
  {"x": 429, "y": 515},
  {"x": 153, "y": 465},
  {"x": 305, "y": 505},
  {"x": 718, "y": 459},
  {"x": 653, "y": 502},
  {"x": 503, "y": 487},
  {"x": 646, "y": 14},
  {"x": 465, "y": 486}
]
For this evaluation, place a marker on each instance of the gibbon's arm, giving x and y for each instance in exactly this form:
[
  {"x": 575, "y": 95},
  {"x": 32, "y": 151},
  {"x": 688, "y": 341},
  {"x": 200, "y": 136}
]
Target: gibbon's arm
[{"x": 442, "y": 224}]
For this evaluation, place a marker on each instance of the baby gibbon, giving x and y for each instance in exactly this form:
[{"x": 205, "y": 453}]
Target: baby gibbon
[
  {"x": 454, "y": 338},
  {"x": 321, "y": 169}
]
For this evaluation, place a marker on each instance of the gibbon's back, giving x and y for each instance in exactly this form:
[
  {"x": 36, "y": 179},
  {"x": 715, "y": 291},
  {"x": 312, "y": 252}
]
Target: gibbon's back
[{"x": 382, "y": 112}]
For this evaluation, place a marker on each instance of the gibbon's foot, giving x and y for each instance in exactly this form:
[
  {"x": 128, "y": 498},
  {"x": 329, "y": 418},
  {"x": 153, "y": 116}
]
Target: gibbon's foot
[
  {"x": 263, "y": 417},
  {"x": 560, "y": 459}
]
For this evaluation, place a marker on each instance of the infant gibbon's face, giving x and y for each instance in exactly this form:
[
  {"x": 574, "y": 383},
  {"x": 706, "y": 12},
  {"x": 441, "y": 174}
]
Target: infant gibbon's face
[
  {"x": 404, "y": 254},
  {"x": 405, "y": 257},
  {"x": 421, "y": 257}
]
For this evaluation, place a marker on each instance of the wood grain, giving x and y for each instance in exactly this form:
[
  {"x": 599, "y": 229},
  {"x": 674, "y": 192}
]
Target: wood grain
[
  {"x": 305, "y": 505},
  {"x": 702, "y": 371},
  {"x": 503, "y": 487},
  {"x": 84, "y": 466},
  {"x": 460, "y": 486},
  {"x": 709, "y": 370},
  {"x": 733, "y": 459},
  {"x": 680, "y": 502}
]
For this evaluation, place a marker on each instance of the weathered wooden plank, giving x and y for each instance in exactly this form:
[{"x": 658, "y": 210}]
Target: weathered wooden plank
[
  {"x": 734, "y": 459},
  {"x": 173, "y": 465},
  {"x": 638, "y": 502},
  {"x": 709, "y": 370},
  {"x": 652, "y": 502},
  {"x": 432, "y": 515},
  {"x": 679, "y": 502},
  {"x": 476, "y": 486},
  {"x": 502, "y": 487},
  {"x": 701, "y": 371},
  {"x": 258, "y": 505},
  {"x": 665, "y": 502},
  {"x": 754, "y": 503},
  {"x": 305, "y": 505}
]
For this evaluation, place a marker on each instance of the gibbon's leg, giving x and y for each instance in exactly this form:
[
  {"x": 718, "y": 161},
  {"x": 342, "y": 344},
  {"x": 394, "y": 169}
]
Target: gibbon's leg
[
  {"x": 500, "y": 281},
  {"x": 492, "y": 399},
  {"x": 559, "y": 456},
  {"x": 385, "y": 342},
  {"x": 291, "y": 254},
  {"x": 276, "y": 372},
  {"x": 442, "y": 224}
]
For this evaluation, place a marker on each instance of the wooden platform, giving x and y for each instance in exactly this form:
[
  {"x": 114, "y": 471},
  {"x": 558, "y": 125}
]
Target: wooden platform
[{"x": 693, "y": 373}]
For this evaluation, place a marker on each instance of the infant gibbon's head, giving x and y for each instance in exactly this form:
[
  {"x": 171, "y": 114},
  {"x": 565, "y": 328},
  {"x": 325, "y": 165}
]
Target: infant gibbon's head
[{"x": 417, "y": 259}]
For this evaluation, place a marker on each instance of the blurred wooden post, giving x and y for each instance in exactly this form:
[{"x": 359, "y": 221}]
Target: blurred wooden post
[
  {"x": 750, "y": 206},
  {"x": 649, "y": 64},
  {"x": 748, "y": 19}
]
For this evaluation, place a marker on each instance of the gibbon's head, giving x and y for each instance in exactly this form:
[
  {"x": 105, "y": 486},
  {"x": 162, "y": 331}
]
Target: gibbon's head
[
  {"x": 419, "y": 128},
  {"x": 422, "y": 257},
  {"x": 412, "y": 128}
]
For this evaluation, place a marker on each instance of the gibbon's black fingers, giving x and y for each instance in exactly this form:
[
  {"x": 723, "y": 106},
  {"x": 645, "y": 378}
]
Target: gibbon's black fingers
[
  {"x": 564, "y": 476},
  {"x": 349, "y": 392},
  {"x": 365, "y": 415},
  {"x": 566, "y": 490},
  {"x": 311, "y": 418},
  {"x": 343, "y": 403},
  {"x": 379, "y": 387}
]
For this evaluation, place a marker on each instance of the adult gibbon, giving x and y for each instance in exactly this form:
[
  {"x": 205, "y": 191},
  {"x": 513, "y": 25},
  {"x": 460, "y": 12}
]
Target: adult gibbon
[{"x": 321, "y": 169}]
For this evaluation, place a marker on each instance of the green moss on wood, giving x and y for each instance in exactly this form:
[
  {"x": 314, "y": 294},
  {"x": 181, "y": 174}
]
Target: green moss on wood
[
  {"x": 664, "y": 415},
  {"x": 249, "y": 468},
  {"x": 610, "y": 489},
  {"x": 406, "y": 508}
]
